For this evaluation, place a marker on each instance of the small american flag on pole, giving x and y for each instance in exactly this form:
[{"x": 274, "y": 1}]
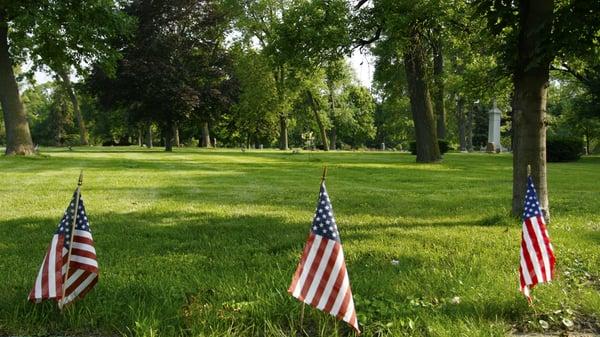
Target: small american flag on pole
[
  {"x": 537, "y": 254},
  {"x": 321, "y": 279},
  {"x": 70, "y": 268}
]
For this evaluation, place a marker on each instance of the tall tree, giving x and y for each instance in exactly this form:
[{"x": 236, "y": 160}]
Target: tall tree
[
  {"x": 174, "y": 68},
  {"x": 259, "y": 22},
  {"x": 530, "y": 80},
  {"x": 438, "y": 84},
  {"x": 58, "y": 35},
  {"x": 18, "y": 136},
  {"x": 403, "y": 31},
  {"x": 537, "y": 31}
]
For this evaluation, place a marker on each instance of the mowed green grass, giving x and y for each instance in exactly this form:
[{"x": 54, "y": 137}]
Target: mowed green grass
[{"x": 204, "y": 243}]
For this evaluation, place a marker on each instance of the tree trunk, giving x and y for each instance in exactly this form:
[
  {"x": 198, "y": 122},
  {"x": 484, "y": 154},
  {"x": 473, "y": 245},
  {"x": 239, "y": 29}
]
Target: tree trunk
[
  {"x": 18, "y": 137},
  {"x": 168, "y": 134},
  {"x": 469, "y": 127},
  {"x": 140, "y": 131},
  {"x": 205, "y": 141},
  {"x": 283, "y": 132},
  {"x": 331, "y": 88},
  {"x": 420, "y": 103},
  {"x": 461, "y": 119},
  {"x": 176, "y": 136},
  {"x": 66, "y": 82},
  {"x": 438, "y": 88},
  {"x": 149, "y": 136},
  {"x": 314, "y": 105},
  {"x": 587, "y": 142},
  {"x": 531, "y": 84},
  {"x": 333, "y": 137}
]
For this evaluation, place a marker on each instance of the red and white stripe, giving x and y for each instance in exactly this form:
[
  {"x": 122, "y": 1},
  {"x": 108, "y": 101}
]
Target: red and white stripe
[
  {"x": 83, "y": 270},
  {"x": 321, "y": 279},
  {"x": 537, "y": 255}
]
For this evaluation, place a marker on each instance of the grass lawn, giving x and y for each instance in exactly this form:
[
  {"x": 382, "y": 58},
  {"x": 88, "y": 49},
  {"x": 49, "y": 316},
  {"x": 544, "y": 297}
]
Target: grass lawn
[{"x": 204, "y": 243}]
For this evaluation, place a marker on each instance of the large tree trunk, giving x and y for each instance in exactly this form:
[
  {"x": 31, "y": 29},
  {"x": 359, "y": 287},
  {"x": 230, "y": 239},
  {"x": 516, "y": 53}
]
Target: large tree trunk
[
  {"x": 205, "y": 137},
  {"x": 283, "y": 132},
  {"x": 469, "y": 127},
  {"x": 18, "y": 137},
  {"x": 176, "y": 136},
  {"x": 149, "y": 135},
  {"x": 168, "y": 134},
  {"x": 314, "y": 105},
  {"x": 462, "y": 121},
  {"x": 331, "y": 89},
  {"x": 531, "y": 84},
  {"x": 438, "y": 88},
  {"x": 66, "y": 82},
  {"x": 420, "y": 103}
]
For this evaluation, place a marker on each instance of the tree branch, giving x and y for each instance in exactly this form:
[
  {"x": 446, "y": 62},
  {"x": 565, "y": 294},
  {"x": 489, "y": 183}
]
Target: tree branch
[
  {"x": 363, "y": 42},
  {"x": 360, "y": 4},
  {"x": 565, "y": 68}
]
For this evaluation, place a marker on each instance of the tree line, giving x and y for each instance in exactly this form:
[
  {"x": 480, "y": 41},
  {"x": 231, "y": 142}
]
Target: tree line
[{"x": 275, "y": 73}]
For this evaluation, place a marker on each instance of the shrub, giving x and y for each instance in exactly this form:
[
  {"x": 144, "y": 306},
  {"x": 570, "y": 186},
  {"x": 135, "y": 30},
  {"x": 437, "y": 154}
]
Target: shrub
[
  {"x": 443, "y": 144},
  {"x": 193, "y": 142},
  {"x": 561, "y": 149}
]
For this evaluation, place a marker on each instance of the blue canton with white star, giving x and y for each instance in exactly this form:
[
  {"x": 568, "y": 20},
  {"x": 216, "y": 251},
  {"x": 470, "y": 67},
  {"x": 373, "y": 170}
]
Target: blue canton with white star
[
  {"x": 324, "y": 221},
  {"x": 66, "y": 223},
  {"x": 532, "y": 205}
]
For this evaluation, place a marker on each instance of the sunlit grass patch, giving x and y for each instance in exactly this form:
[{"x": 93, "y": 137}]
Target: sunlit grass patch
[{"x": 204, "y": 242}]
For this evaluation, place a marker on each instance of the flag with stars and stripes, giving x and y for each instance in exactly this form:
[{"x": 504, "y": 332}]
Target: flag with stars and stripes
[
  {"x": 82, "y": 269},
  {"x": 321, "y": 279},
  {"x": 537, "y": 254}
]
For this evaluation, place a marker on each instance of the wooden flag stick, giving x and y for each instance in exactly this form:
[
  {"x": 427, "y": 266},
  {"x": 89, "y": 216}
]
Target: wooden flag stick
[
  {"x": 72, "y": 233},
  {"x": 324, "y": 174},
  {"x": 302, "y": 316},
  {"x": 528, "y": 170}
]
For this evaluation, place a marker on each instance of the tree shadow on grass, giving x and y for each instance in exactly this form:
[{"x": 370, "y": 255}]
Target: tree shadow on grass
[
  {"x": 152, "y": 263},
  {"x": 149, "y": 264}
]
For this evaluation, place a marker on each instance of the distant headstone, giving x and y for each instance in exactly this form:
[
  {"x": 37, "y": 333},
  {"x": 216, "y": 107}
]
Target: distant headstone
[
  {"x": 382, "y": 146},
  {"x": 260, "y": 147},
  {"x": 494, "y": 129}
]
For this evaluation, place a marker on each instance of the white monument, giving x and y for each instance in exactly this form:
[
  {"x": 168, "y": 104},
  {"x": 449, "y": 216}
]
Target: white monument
[{"x": 494, "y": 129}]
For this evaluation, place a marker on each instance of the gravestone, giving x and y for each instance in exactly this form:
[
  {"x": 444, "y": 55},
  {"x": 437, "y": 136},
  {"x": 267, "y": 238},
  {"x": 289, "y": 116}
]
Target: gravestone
[{"x": 494, "y": 129}]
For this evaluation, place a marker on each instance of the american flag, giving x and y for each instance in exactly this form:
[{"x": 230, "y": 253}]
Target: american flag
[
  {"x": 83, "y": 266},
  {"x": 321, "y": 279},
  {"x": 537, "y": 254}
]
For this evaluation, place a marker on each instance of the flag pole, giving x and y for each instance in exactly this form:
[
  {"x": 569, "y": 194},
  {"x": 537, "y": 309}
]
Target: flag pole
[
  {"x": 528, "y": 170},
  {"x": 72, "y": 233},
  {"x": 324, "y": 174}
]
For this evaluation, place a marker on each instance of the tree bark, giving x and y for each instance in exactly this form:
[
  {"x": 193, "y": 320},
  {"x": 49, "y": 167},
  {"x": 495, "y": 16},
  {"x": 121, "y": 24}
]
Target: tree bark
[
  {"x": 149, "y": 136},
  {"x": 283, "y": 123},
  {"x": 531, "y": 84},
  {"x": 420, "y": 103},
  {"x": 331, "y": 89},
  {"x": 205, "y": 141},
  {"x": 462, "y": 121},
  {"x": 314, "y": 105},
  {"x": 176, "y": 136},
  {"x": 139, "y": 132},
  {"x": 168, "y": 134},
  {"x": 68, "y": 86},
  {"x": 469, "y": 127},
  {"x": 283, "y": 132},
  {"x": 438, "y": 88},
  {"x": 18, "y": 136}
]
